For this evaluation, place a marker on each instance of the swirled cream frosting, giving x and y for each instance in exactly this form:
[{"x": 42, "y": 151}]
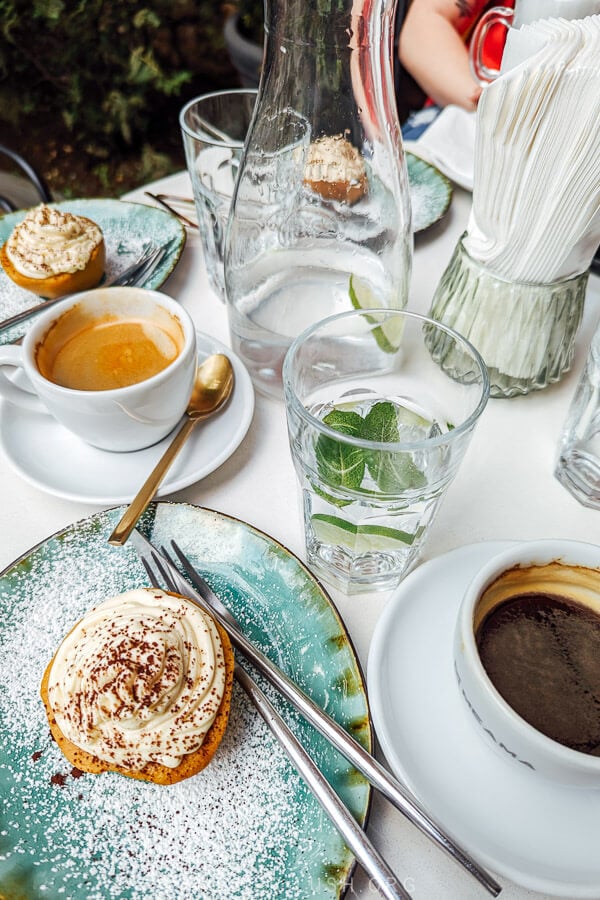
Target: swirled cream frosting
[
  {"x": 333, "y": 158},
  {"x": 49, "y": 242},
  {"x": 139, "y": 679}
]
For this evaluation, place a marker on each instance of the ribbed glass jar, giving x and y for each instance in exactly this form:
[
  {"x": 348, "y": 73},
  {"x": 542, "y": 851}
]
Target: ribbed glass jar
[{"x": 524, "y": 332}]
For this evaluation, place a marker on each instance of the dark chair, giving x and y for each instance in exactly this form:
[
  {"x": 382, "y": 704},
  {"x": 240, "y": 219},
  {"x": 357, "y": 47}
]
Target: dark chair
[{"x": 33, "y": 177}]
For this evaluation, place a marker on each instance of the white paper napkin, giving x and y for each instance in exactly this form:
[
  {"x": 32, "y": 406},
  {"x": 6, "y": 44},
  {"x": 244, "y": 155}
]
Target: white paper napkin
[
  {"x": 449, "y": 144},
  {"x": 536, "y": 193},
  {"x": 527, "y": 11}
]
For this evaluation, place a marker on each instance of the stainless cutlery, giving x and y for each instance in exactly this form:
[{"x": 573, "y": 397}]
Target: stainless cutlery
[
  {"x": 144, "y": 266},
  {"x": 161, "y": 199},
  {"x": 328, "y": 727},
  {"x": 382, "y": 877}
]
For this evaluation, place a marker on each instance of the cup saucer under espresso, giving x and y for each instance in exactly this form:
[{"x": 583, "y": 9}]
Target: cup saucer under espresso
[
  {"x": 52, "y": 459},
  {"x": 538, "y": 834}
]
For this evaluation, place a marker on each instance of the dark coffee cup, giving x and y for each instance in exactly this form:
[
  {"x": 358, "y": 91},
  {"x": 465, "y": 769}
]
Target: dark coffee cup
[{"x": 527, "y": 657}]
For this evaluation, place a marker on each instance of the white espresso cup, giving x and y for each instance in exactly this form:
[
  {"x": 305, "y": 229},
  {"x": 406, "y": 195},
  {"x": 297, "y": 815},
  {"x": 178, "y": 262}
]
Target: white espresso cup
[
  {"x": 520, "y": 643},
  {"x": 67, "y": 366}
]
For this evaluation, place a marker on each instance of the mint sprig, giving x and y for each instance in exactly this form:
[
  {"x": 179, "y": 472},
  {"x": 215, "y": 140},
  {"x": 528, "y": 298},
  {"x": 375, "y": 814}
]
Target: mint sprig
[
  {"x": 391, "y": 471},
  {"x": 343, "y": 466},
  {"x": 339, "y": 464}
]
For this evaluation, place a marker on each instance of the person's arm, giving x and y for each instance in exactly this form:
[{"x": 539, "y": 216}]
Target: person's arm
[{"x": 433, "y": 52}]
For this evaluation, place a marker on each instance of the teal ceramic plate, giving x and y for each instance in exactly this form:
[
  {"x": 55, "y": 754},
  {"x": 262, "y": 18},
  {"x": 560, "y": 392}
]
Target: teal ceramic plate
[
  {"x": 430, "y": 192},
  {"x": 126, "y": 228},
  {"x": 245, "y": 827}
]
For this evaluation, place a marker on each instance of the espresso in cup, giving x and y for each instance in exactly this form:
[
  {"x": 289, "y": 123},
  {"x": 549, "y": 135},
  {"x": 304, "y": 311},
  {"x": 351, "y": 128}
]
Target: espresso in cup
[
  {"x": 114, "y": 365},
  {"x": 85, "y": 351},
  {"x": 537, "y": 631},
  {"x": 527, "y": 658}
]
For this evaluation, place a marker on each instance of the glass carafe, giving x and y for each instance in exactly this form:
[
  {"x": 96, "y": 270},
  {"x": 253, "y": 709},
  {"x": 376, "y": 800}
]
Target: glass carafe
[{"x": 320, "y": 219}]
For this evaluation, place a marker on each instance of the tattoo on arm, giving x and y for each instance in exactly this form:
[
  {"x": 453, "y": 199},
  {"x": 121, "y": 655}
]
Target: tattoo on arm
[{"x": 465, "y": 8}]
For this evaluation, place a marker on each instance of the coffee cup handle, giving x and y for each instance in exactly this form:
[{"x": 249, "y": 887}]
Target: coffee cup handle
[
  {"x": 20, "y": 394},
  {"x": 497, "y": 15}
]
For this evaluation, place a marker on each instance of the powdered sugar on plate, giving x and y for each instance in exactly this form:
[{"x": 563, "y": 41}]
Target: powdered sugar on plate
[
  {"x": 127, "y": 228},
  {"x": 244, "y": 827}
]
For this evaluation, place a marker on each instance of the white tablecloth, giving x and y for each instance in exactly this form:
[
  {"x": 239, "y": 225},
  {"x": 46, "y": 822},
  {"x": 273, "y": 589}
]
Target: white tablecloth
[{"x": 505, "y": 489}]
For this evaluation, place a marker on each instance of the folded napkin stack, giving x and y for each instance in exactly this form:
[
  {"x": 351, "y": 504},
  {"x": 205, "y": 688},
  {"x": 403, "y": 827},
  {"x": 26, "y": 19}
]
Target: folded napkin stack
[
  {"x": 536, "y": 194},
  {"x": 516, "y": 284}
]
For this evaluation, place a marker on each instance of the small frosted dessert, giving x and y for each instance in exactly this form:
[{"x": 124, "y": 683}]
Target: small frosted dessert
[
  {"x": 336, "y": 170},
  {"x": 141, "y": 686},
  {"x": 54, "y": 253}
]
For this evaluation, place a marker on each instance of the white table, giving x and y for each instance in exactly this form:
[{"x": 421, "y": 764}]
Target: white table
[{"x": 505, "y": 489}]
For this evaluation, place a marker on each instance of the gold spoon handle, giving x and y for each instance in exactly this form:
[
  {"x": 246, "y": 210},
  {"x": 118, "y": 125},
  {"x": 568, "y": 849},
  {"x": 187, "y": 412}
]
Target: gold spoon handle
[{"x": 147, "y": 491}]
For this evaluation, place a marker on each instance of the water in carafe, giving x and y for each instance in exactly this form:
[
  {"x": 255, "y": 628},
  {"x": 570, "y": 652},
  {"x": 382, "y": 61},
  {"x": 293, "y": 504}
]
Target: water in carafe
[{"x": 320, "y": 219}]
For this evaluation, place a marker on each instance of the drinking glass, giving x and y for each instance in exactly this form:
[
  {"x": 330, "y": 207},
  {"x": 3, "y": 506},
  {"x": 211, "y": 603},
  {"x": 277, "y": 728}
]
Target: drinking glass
[
  {"x": 578, "y": 461},
  {"x": 377, "y": 432},
  {"x": 214, "y": 127}
]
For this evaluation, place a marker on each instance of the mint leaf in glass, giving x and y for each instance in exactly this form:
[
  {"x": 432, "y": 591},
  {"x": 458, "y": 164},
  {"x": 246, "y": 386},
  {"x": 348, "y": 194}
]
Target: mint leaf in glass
[
  {"x": 394, "y": 472},
  {"x": 381, "y": 423},
  {"x": 339, "y": 464},
  {"x": 390, "y": 471}
]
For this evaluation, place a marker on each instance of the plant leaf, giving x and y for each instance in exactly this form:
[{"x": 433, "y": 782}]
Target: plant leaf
[
  {"x": 381, "y": 423},
  {"x": 340, "y": 464},
  {"x": 392, "y": 472}
]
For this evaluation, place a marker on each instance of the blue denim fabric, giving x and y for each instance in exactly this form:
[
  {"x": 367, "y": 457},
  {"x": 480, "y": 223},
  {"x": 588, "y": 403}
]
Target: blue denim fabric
[{"x": 419, "y": 121}]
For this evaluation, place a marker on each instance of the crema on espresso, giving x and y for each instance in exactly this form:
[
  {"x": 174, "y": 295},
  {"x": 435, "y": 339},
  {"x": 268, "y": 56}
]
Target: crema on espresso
[
  {"x": 103, "y": 352},
  {"x": 538, "y": 638}
]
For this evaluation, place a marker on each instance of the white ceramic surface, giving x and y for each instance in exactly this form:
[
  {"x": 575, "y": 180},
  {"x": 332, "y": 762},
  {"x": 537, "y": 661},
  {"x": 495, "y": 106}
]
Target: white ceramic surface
[
  {"x": 523, "y": 744},
  {"x": 53, "y": 459},
  {"x": 120, "y": 419},
  {"x": 540, "y": 835}
]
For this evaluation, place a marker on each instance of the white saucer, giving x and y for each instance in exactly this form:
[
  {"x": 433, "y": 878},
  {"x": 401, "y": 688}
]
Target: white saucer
[
  {"x": 539, "y": 835},
  {"x": 48, "y": 456}
]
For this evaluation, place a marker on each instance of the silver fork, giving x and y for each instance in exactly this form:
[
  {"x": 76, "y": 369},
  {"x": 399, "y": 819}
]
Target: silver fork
[
  {"x": 136, "y": 273},
  {"x": 161, "y": 199},
  {"x": 385, "y": 783},
  {"x": 382, "y": 877}
]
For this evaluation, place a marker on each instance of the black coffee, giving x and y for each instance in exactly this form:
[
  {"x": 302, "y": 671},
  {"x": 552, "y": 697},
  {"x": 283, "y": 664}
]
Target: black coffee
[{"x": 542, "y": 653}]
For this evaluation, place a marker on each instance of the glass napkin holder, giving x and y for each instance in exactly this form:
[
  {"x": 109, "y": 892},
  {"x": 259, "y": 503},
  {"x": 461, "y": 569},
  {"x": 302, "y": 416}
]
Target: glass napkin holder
[{"x": 525, "y": 332}]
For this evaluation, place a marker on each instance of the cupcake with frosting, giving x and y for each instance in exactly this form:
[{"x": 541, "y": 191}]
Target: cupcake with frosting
[
  {"x": 141, "y": 686},
  {"x": 54, "y": 253}
]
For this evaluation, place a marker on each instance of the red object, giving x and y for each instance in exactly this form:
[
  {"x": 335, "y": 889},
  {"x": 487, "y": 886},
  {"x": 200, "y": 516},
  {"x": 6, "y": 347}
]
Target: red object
[{"x": 493, "y": 48}]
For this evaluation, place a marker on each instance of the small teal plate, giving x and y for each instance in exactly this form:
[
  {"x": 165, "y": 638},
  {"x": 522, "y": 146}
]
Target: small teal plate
[
  {"x": 430, "y": 192},
  {"x": 127, "y": 227},
  {"x": 245, "y": 827}
]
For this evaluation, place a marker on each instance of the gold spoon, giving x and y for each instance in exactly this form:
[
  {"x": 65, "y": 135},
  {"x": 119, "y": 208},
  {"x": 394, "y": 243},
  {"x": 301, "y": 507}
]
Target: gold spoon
[{"x": 212, "y": 388}]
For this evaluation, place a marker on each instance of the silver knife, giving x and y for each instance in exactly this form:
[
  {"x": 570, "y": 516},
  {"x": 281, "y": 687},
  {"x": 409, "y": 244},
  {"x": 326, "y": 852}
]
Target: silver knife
[{"x": 328, "y": 727}]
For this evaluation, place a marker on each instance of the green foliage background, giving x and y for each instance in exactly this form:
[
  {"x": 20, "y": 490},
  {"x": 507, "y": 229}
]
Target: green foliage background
[{"x": 109, "y": 75}]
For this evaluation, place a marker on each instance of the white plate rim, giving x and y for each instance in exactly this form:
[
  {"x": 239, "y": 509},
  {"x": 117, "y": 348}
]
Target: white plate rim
[
  {"x": 240, "y": 410},
  {"x": 409, "y": 592}
]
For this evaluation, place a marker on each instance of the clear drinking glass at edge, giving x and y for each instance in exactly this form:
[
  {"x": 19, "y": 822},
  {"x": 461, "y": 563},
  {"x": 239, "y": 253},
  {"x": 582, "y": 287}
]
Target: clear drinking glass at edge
[
  {"x": 213, "y": 129},
  {"x": 578, "y": 462},
  {"x": 377, "y": 432},
  {"x": 320, "y": 219}
]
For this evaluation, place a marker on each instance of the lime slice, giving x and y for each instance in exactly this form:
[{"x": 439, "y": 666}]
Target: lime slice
[
  {"x": 362, "y": 296},
  {"x": 406, "y": 416},
  {"x": 358, "y": 538}
]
